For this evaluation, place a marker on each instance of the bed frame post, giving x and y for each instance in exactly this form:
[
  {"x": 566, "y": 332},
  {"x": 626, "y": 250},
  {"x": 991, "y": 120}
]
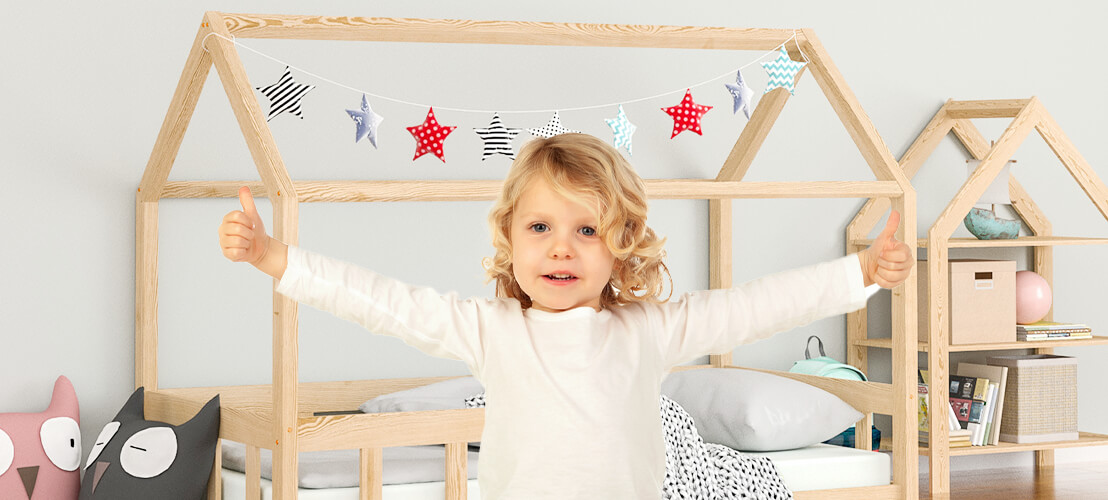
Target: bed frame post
[
  {"x": 150, "y": 189},
  {"x": 282, "y": 195},
  {"x": 903, "y": 321},
  {"x": 720, "y": 254}
]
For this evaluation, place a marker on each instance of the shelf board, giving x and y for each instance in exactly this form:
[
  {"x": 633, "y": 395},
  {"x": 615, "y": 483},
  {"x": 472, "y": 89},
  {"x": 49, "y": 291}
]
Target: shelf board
[
  {"x": 1000, "y": 346},
  {"x": 1084, "y": 439},
  {"x": 1022, "y": 241}
]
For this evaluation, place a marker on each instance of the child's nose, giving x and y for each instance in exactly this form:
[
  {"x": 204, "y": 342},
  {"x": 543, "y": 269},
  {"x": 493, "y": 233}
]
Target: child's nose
[{"x": 561, "y": 247}]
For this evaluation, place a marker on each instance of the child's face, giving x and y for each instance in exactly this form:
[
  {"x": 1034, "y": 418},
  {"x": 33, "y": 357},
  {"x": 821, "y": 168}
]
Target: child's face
[{"x": 558, "y": 258}]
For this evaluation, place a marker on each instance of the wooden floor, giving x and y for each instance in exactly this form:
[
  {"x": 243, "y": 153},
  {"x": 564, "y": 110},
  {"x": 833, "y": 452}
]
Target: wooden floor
[{"x": 1071, "y": 481}]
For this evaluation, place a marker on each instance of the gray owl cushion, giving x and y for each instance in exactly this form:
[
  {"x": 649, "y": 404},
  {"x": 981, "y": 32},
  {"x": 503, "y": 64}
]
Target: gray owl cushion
[{"x": 135, "y": 458}]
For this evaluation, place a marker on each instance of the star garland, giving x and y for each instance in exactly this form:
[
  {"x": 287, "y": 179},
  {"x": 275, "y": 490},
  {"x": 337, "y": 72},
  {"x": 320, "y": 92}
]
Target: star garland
[{"x": 286, "y": 94}]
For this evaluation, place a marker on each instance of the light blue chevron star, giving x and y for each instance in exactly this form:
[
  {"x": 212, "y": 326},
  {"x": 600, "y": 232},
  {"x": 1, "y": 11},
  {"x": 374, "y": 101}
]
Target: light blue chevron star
[
  {"x": 622, "y": 128},
  {"x": 742, "y": 94},
  {"x": 782, "y": 71}
]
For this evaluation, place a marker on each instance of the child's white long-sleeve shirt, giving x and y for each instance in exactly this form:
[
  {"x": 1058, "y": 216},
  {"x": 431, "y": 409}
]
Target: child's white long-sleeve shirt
[{"x": 572, "y": 397}]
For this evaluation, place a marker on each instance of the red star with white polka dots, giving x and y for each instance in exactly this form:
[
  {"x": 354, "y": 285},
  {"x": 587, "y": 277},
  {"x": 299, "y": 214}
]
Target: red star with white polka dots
[
  {"x": 686, "y": 116},
  {"x": 429, "y": 136}
]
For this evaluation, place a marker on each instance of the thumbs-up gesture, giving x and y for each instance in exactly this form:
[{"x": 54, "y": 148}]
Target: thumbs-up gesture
[
  {"x": 887, "y": 261},
  {"x": 242, "y": 234}
]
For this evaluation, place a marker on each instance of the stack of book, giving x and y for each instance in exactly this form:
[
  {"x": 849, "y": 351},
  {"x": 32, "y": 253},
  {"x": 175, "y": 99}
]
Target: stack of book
[
  {"x": 976, "y": 404},
  {"x": 1049, "y": 330}
]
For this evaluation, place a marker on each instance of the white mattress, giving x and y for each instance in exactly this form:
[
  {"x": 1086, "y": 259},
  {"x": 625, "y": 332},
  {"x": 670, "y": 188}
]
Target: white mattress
[
  {"x": 825, "y": 466},
  {"x": 817, "y": 467},
  {"x": 234, "y": 488}
]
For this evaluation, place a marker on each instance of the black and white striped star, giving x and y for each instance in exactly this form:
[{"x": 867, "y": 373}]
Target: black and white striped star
[
  {"x": 498, "y": 139},
  {"x": 284, "y": 96}
]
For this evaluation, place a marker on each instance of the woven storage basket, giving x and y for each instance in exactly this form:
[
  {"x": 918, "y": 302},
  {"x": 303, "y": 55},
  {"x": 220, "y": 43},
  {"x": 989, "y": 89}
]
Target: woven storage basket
[{"x": 1040, "y": 401}]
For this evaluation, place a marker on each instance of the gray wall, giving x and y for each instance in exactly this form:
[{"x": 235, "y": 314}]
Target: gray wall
[{"x": 86, "y": 91}]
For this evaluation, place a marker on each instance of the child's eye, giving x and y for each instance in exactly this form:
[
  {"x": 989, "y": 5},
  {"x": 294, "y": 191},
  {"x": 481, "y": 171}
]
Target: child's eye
[
  {"x": 539, "y": 227},
  {"x": 588, "y": 231}
]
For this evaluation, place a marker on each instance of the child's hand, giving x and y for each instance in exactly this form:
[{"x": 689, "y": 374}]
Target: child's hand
[
  {"x": 887, "y": 261},
  {"x": 242, "y": 234}
]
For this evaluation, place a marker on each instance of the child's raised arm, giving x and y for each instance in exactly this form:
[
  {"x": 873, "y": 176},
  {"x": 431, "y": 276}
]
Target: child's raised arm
[{"x": 243, "y": 238}]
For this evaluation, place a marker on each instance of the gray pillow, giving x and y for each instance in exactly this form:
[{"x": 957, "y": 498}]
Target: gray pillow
[
  {"x": 446, "y": 395},
  {"x": 755, "y": 411},
  {"x": 339, "y": 468}
]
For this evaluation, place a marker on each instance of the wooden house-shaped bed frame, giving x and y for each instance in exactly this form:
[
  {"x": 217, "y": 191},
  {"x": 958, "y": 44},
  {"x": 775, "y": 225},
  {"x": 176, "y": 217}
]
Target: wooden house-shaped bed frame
[{"x": 280, "y": 416}]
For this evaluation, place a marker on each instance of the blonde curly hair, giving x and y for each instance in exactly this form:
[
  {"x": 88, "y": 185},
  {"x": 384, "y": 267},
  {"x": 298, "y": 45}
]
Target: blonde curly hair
[{"x": 588, "y": 170}]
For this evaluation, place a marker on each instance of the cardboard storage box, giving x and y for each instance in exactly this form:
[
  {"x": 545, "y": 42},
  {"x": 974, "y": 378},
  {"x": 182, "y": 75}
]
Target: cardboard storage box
[
  {"x": 1040, "y": 400},
  {"x": 981, "y": 302}
]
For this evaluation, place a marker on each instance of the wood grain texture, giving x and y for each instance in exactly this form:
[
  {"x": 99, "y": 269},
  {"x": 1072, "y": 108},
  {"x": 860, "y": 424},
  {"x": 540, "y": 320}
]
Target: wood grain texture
[
  {"x": 456, "y": 470},
  {"x": 938, "y": 358},
  {"x": 720, "y": 270},
  {"x": 176, "y": 121},
  {"x": 996, "y": 108},
  {"x": 253, "y": 472},
  {"x": 146, "y": 294},
  {"x": 370, "y": 463},
  {"x": 382, "y": 430},
  {"x": 476, "y": 190},
  {"x": 379, "y": 29}
]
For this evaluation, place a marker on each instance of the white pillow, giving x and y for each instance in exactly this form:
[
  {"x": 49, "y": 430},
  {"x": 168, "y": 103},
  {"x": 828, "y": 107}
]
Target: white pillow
[
  {"x": 446, "y": 395},
  {"x": 755, "y": 411}
]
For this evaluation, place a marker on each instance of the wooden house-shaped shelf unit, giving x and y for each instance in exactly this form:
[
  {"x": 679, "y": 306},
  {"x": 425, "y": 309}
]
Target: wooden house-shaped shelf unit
[
  {"x": 280, "y": 417},
  {"x": 955, "y": 116}
]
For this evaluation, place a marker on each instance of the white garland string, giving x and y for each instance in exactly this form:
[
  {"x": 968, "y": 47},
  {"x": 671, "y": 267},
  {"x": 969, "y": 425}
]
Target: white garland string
[{"x": 468, "y": 110}]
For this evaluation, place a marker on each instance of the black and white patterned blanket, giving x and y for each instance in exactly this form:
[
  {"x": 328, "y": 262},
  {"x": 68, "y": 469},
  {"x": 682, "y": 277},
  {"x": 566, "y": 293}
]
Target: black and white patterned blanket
[{"x": 696, "y": 470}]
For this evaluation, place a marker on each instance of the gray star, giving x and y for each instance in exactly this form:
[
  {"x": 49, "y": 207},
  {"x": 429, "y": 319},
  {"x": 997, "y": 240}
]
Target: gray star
[
  {"x": 367, "y": 122},
  {"x": 741, "y": 93}
]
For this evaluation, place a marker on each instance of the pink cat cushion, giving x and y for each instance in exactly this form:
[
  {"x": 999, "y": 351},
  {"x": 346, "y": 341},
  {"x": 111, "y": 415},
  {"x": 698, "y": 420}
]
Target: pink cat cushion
[{"x": 40, "y": 453}]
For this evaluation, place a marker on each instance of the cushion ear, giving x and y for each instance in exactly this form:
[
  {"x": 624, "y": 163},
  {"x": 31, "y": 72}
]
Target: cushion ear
[
  {"x": 133, "y": 408},
  {"x": 64, "y": 400},
  {"x": 205, "y": 425}
]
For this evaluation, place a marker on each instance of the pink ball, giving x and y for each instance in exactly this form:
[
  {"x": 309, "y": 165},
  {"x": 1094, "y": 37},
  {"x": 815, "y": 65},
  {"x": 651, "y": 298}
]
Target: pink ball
[{"x": 1033, "y": 297}]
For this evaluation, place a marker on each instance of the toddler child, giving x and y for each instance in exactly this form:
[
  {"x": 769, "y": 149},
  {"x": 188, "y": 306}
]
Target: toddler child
[{"x": 573, "y": 350}]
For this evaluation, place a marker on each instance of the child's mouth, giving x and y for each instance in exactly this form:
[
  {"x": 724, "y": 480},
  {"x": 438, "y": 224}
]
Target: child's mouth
[{"x": 560, "y": 278}]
